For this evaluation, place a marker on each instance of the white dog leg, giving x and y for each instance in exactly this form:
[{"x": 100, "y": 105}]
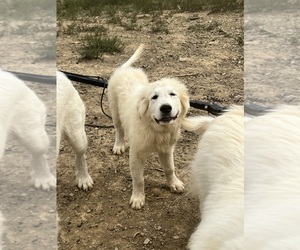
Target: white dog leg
[
  {"x": 78, "y": 141},
  {"x": 167, "y": 162},
  {"x": 42, "y": 175},
  {"x": 36, "y": 141},
  {"x": 119, "y": 145},
  {"x": 136, "y": 163}
]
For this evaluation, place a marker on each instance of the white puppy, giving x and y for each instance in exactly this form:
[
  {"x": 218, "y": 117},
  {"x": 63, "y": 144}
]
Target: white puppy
[
  {"x": 23, "y": 114},
  {"x": 151, "y": 115},
  {"x": 218, "y": 179},
  {"x": 272, "y": 180},
  {"x": 71, "y": 121}
]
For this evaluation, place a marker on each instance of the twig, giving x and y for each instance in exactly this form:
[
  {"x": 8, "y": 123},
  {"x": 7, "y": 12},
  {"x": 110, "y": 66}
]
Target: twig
[
  {"x": 191, "y": 74},
  {"x": 157, "y": 169}
]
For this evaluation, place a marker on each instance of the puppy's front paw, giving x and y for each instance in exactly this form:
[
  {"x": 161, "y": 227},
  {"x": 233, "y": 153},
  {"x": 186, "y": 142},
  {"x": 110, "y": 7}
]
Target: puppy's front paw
[
  {"x": 137, "y": 201},
  {"x": 85, "y": 182},
  {"x": 46, "y": 183},
  {"x": 117, "y": 150},
  {"x": 176, "y": 186}
]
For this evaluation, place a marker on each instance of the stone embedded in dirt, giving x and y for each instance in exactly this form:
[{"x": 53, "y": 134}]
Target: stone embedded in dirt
[
  {"x": 176, "y": 237},
  {"x": 146, "y": 241},
  {"x": 89, "y": 210},
  {"x": 37, "y": 224}
]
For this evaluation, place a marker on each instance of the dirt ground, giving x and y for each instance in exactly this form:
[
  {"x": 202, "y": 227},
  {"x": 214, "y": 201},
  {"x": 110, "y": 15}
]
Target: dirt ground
[
  {"x": 272, "y": 42},
  {"x": 210, "y": 62},
  {"x": 30, "y": 214}
]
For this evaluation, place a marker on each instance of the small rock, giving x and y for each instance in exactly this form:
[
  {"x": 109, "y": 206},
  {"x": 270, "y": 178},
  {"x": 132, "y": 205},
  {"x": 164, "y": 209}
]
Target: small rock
[
  {"x": 146, "y": 241},
  {"x": 37, "y": 224},
  {"x": 176, "y": 237},
  {"x": 89, "y": 210}
]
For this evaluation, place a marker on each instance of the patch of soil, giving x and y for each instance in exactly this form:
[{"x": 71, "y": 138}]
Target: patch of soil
[
  {"x": 272, "y": 42},
  {"x": 210, "y": 63},
  {"x": 30, "y": 214}
]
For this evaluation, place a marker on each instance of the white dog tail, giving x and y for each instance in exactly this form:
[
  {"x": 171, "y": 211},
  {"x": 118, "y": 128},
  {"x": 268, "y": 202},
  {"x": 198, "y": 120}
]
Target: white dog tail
[
  {"x": 134, "y": 57},
  {"x": 196, "y": 124}
]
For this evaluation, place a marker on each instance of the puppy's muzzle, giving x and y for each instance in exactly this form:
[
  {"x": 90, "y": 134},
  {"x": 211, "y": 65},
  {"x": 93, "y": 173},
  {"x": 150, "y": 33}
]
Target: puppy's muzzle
[{"x": 165, "y": 110}]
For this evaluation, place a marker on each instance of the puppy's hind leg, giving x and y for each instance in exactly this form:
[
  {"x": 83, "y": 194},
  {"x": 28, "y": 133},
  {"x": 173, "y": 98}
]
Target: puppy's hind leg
[
  {"x": 119, "y": 145},
  {"x": 78, "y": 141},
  {"x": 167, "y": 161}
]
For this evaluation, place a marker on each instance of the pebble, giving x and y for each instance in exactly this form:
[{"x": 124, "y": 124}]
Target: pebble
[
  {"x": 182, "y": 59},
  {"x": 176, "y": 237},
  {"x": 146, "y": 241}
]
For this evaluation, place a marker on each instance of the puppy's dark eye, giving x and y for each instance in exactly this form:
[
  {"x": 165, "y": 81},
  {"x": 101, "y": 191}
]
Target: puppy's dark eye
[
  {"x": 172, "y": 94},
  {"x": 154, "y": 97}
]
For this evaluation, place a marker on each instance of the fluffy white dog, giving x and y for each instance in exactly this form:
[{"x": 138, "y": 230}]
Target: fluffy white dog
[
  {"x": 218, "y": 179},
  {"x": 151, "y": 115},
  {"x": 70, "y": 121},
  {"x": 23, "y": 114},
  {"x": 272, "y": 181}
]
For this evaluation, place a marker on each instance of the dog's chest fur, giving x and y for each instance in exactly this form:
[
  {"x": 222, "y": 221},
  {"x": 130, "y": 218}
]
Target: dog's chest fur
[{"x": 157, "y": 140}]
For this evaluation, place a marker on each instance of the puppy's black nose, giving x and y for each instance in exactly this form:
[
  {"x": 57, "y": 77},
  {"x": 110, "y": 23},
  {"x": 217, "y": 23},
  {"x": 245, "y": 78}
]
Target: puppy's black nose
[{"x": 165, "y": 109}]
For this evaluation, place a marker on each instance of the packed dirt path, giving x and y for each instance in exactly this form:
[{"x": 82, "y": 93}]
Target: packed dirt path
[{"x": 209, "y": 60}]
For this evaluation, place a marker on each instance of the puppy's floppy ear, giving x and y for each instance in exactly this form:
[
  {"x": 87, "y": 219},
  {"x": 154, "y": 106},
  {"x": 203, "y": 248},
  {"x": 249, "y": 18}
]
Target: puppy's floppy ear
[
  {"x": 183, "y": 96},
  {"x": 184, "y": 100},
  {"x": 142, "y": 106}
]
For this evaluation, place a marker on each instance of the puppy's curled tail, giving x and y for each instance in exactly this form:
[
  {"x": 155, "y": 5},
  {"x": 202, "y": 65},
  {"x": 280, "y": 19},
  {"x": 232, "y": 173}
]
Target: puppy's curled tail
[
  {"x": 134, "y": 57},
  {"x": 196, "y": 124}
]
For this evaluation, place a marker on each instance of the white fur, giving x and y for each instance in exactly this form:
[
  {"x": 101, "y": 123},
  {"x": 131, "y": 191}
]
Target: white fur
[
  {"x": 71, "y": 121},
  {"x": 272, "y": 185},
  {"x": 272, "y": 180},
  {"x": 23, "y": 114},
  {"x": 136, "y": 106},
  {"x": 217, "y": 180}
]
